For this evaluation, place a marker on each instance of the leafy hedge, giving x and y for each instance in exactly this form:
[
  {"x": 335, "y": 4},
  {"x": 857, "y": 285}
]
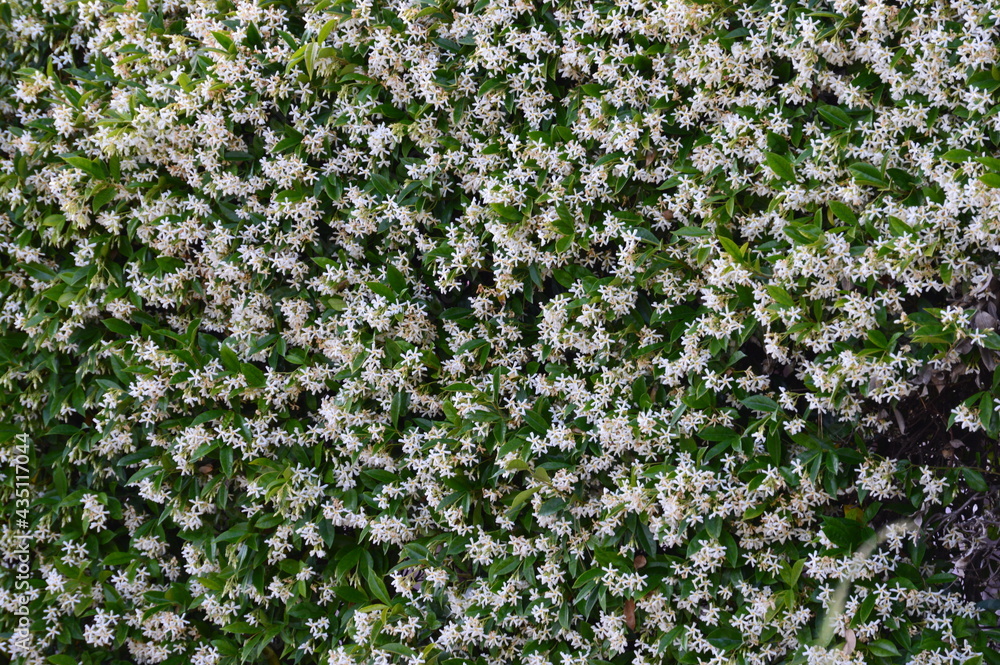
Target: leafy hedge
[{"x": 506, "y": 332}]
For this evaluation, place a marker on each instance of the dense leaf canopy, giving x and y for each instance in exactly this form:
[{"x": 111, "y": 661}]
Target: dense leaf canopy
[{"x": 657, "y": 331}]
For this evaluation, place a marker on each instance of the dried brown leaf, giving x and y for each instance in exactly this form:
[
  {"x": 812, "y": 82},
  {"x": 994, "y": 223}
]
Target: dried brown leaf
[
  {"x": 850, "y": 643},
  {"x": 630, "y": 614}
]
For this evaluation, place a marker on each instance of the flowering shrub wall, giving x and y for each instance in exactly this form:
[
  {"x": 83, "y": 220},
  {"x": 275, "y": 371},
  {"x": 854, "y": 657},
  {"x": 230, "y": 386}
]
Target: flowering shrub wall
[{"x": 498, "y": 332}]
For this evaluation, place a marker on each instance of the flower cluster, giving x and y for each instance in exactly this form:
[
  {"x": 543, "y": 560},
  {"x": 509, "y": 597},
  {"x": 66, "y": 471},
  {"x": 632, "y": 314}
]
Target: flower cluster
[{"x": 384, "y": 331}]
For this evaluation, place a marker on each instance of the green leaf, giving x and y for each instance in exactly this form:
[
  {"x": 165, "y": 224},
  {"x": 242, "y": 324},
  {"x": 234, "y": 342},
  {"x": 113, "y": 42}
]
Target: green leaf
[
  {"x": 864, "y": 610},
  {"x": 297, "y": 356},
  {"x": 309, "y": 56},
  {"x": 144, "y": 472},
  {"x": 396, "y": 280},
  {"x": 991, "y": 163},
  {"x": 226, "y": 460},
  {"x": 491, "y": 84},
  {"x": 845, "y": 532},
  {"x": 253, "y": 36},
  {"x": 974, "y": 480},
  {"x": 780, "y": 295},
  {"x": 883, "y": 648},
  {"x": 866, "y": 174},
  {"x": 504, "y": 566},
  {"x": 349, "y": 560},
  {"x": 760, "y": 403},
  {"x": 511, "y": 213},
  {"x": 288, "y": 142},
  {"x": 103, "y": 195},
  {"x": 692, "y": 232},
  {"x": 726, "y": 638},
  {"x": 91, "y": 167},
  {"x": 397, "y": 648},
  {"x": 206, "y": 416},
  {"x": 328, "y": 27},
  {"x": 731, "y": 248},
  {"x": 551, "y": 506},
  {"x": 834, "y": 116},
  {"x": 790, "y": 573},
  {"x": 229, "y": 359},
  {"x": 400, "y": 402},
  {"x": 139, "y": 455},
  {"x": 990, "y": 179},
  {"x": 957, "y": 155},
  {"x": 471, "y": 345},
  {"x": 377, "y": 586},
  {"x": 456, "y": 313},
  {"x": 592, "y": 574},
  {"x": 564, "y": 243},
  {"x": 54, "y": 221},
  {"x": 60, "y": 481},
  {"x": 254, "y": 376},
  {"x": 62, "y": 659},
  {"x": 536, "y": 421},
  {"x": 843, "y": 213},
  {"x": 382, "y": 290},
  {"x": 524, "y": 496},
  {"x": 235, "y": 533},
  {"x": 118, "y": 558},
  {"x": 224, "y": 39},
  {"x": 781, "y": 166},
  {"x": 350, "y": 594},
  {"x": 646, "y": 235},
  {"x": 241, "y": 627},
  {"x": 118, "y": 326},
  {"x": 38, "y": 271}
]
